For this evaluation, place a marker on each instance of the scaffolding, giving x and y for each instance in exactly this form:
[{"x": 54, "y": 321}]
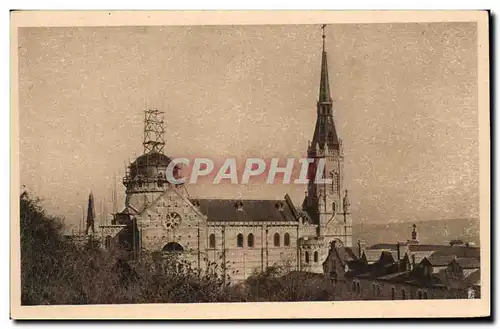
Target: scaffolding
[{"x": 153, "y": 131}]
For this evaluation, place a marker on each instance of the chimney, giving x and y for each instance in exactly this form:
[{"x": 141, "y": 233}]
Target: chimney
[{"x": 403, "y": 249}]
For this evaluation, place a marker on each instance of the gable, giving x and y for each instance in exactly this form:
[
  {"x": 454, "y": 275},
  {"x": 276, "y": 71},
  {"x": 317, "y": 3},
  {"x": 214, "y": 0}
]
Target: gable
[{"x": 167, "y": 205}]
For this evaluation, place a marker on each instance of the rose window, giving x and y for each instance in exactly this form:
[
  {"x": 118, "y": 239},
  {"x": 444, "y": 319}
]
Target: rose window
[{"x": 171, "y": 221}]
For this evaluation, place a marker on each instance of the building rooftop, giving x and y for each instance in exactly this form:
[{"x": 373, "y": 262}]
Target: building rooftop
[{"x": 218, "y": 210}]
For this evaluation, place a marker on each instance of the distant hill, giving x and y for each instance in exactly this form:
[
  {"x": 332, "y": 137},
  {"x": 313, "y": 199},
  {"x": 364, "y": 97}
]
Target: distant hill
[{"x": 430, "y": 232}]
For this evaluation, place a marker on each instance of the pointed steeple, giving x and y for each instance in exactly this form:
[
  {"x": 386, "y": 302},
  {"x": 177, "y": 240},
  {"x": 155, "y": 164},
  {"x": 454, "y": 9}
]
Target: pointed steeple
[
  {"x": 324, "y": 85},
  {"x": 325, "y": 132},
  {"x": 90, "y": 214}
]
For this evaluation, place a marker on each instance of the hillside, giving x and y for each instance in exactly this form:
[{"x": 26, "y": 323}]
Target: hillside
[{"x": 430, "y": 232}]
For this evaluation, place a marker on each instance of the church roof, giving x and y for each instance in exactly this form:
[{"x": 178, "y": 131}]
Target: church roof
[
  {"x": 151, "y": 159},
  {"x": 237, "y": 210},
  {"x": 143, "y": 164}
]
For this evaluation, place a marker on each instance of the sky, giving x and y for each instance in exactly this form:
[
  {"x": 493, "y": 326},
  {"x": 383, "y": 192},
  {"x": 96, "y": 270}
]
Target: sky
[{"x": 404, "y": 99}]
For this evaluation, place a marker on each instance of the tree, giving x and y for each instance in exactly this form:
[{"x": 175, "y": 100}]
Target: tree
[{"x": 54, "y": 270}]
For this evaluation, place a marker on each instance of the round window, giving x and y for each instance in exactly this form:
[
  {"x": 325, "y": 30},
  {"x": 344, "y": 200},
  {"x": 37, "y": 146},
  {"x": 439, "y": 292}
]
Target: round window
[{"x": 171, "y": 221}]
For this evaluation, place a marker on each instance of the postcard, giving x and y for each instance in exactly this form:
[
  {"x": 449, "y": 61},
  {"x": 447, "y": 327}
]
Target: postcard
[{"x": 250, "y": 165}]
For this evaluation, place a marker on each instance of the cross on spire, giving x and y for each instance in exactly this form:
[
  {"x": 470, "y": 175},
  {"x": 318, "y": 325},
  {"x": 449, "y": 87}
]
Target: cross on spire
[
  {"x": 324, "y": 93},
  {"x": 324, "y": 35}
]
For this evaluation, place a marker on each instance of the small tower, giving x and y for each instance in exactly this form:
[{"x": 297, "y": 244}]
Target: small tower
[
  {"x": 414, "y": 235},
  {"x": 90, "y": 215},
  {"x": 146, "y": 177}
]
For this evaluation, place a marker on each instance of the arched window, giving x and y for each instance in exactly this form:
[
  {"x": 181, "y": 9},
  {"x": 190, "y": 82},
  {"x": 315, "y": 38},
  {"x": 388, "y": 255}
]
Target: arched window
[
  {"x": 315, "y": 256},
  {"x": 139, "y": 179},
  {"x": 211, "y": 241},
  {"x": 287, "y": 240},
  {"x": 307, "y": 257},
  {"x": 403, "y": 294},
  {"x": 334, "y": 208},
  {"x": 419, "y": 295},
  {"x": 354, "y": 286},
  {"x": 250, "y": 240},
  {"x": 424, "y": 294},
  {"x": 240, "y": 240},
  {"x": 107, "y": 242},
  {"x": 160, "y": 180},
  {"x": 276, "y": 239},
  {"x": 358, "y": 286},
  {"x": 393, "y": 293}
]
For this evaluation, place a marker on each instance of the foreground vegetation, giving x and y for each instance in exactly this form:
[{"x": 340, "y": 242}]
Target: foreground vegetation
[{"x": 56, "y": 271}]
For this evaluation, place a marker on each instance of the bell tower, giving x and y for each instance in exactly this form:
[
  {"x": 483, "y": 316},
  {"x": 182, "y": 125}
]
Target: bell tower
[{"x": 325, "y": 197}]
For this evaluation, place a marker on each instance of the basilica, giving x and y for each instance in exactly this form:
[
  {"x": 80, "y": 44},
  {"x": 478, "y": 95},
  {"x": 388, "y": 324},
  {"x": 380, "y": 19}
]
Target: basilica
[{"x": 243, "y": 236}]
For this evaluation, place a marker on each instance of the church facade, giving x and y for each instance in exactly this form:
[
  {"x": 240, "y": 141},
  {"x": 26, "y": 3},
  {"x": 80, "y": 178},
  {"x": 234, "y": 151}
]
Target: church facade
[{"x": 243, "y": 236}]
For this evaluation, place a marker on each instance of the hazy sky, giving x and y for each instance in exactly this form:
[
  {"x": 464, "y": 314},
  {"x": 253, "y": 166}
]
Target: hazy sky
[{"x": 405, "y": 106}]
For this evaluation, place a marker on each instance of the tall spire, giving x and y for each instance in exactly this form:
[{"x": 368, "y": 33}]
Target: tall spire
[
  {"x": 324, "y": 86},
  {"x": 324, "y": 36},
  {"x": 90, "y": 214},
  {"x": 325, "y": 132}
]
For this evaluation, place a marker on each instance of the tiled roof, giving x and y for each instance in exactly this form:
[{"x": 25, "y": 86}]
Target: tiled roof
[
  {"x": 393, "y": 276},
  {"x": 445, "y": 249},
  {"x": 372, "y": 255},
  {"x": 346, "y": 254},
  {"x": 384, "y": 246},
  {"x": 218, "y": 210},
  {"x": 388, "y": 255},
  {"x": 428, "y": 247},
  {"x": 440, "y": 261},
  {"x": 420, "y": 255},
  {"x": 352, "y": 252},
  {"x": 445, "y": 260},
  {"x": 473, "y": 276},
  {"x": 468, "y": 263},
  {"x": 459, "y": 251},
  {"x": 426, "y": 250}
]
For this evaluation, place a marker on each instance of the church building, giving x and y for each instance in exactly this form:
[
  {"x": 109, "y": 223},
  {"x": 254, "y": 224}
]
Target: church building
[{"x": 243, "y": 236}]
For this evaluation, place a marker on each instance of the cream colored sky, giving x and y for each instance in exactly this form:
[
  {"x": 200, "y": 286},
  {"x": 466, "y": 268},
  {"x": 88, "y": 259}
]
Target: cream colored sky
[{"x": 405, "y": 105}]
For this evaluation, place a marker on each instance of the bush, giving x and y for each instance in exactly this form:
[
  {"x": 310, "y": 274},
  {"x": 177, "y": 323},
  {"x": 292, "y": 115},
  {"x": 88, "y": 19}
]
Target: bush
[
  {"x": 277, "y": 284},
  {"x": 56, "y": 271}
]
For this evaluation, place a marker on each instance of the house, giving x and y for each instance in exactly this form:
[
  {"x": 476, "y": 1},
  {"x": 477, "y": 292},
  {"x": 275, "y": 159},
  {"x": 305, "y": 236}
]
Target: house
[{"x": 404, "y": 271}]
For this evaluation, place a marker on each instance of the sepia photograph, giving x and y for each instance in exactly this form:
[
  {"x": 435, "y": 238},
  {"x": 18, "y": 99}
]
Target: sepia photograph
[{"x": 327, "y": 158}]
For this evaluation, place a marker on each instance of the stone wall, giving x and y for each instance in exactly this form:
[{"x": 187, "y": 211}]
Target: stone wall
[
  {"x": 242, "y": 260},
  {"x": 385, "y": 290}
]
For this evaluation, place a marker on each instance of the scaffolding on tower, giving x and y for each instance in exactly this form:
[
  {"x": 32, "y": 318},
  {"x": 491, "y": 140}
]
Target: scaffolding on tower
[{"x": 153, "y": 131}]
